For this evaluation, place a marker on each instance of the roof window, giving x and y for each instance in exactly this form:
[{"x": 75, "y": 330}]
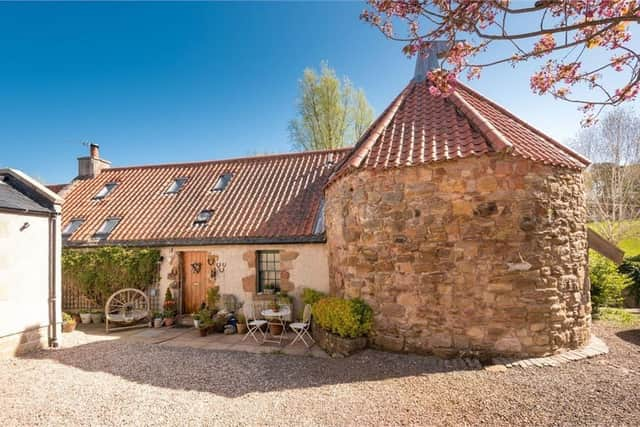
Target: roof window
[
  {"x": 106, "y": 228},
  {"x": 105, "y": 191},
  {"x": 71, "y": 227},
  {"x": 203, "y": 217},
  {"x": 222, "y": 182},
  {"x": 176, "y": 185}
]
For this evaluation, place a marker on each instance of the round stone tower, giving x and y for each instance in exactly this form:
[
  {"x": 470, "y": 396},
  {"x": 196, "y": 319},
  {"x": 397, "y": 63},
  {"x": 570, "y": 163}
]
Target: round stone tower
[{"x": 464, "y": 229}]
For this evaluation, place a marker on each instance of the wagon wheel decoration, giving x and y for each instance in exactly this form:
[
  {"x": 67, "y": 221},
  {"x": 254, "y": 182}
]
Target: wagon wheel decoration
[{"x": 127, "y": 306}]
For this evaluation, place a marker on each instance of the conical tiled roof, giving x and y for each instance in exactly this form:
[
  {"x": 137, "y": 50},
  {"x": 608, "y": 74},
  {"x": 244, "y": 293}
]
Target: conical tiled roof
[{"x": 419, "y": 128}]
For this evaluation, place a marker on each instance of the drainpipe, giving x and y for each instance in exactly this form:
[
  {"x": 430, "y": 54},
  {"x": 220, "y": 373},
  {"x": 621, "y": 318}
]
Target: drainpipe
[{"x": 53, "y": 260}]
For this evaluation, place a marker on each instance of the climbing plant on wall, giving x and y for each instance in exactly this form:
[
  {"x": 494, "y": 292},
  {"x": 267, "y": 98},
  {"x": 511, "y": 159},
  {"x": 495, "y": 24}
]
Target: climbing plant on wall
[{"x": 101, "y": 271}]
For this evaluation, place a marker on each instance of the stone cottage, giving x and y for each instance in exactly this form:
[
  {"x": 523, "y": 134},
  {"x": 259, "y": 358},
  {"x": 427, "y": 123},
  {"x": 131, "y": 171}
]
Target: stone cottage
[
  {"x": 460, "y": 224},
  {"x": 463, "y": 227},
  {"x": 245, "y": 225}
]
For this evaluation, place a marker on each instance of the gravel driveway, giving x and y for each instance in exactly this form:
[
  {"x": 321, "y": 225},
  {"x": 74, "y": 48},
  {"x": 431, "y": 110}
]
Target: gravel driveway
[{"x": 120, "y": 383}]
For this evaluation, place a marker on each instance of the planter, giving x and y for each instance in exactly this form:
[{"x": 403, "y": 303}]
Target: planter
[
  {"x": 96, "y": 317},
  {"x": 275, "y": 329},
  {"x": 242, "y": 328},
  {"x": 69, "y": 327},
  {"x": 203, "y": 331},
  {"x": 196, "y": 323},
  {"x": 335, "y": 345},
  {"x": 85, "y": 318},
  {"x": 269, "y": 291},
  {"x": 168, "y": 321},
  {"x": 157, "y": 323}
]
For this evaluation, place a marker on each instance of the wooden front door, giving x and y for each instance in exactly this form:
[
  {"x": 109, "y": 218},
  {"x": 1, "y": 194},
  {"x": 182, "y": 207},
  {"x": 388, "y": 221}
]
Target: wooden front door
[{"x": 197, "y": 279}]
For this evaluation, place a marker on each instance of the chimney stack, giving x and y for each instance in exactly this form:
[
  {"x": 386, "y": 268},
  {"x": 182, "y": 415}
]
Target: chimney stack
[
  {"x": 427, "y": 59},
  {"x": 91, "y": 166}
]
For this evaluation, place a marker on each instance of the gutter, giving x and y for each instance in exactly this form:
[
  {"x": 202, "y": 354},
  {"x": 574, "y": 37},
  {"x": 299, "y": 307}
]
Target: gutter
[{"x": 53, "y": 262}]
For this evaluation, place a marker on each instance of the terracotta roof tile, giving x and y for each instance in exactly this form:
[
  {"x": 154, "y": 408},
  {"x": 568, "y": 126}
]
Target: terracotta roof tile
[
  {"x": 269, "y": 198},
  {"x": 420, "y": 128}
]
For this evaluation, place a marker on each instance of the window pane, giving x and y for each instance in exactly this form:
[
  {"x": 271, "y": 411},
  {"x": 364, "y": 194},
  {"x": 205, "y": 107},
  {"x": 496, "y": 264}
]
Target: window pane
[
  {"x": 104, "y": 191},
  {"x": 222, "y": 182},
  {"x": 72, "y": 227},
  {"x": 107, "y": 227},
  {"x": 176, "y": 185}
]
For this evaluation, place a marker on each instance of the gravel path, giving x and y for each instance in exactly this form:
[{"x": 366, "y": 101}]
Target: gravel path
[{"x": 120, "y": 383}]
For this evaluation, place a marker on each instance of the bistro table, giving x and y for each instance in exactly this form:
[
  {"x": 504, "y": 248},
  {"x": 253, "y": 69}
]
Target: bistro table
[{"x": 276, "y": 318}]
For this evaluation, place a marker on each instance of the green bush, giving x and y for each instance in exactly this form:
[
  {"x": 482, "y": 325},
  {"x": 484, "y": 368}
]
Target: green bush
[
  {"x": 100, "y": 272},
  {"x": 607, "y": 283},
  {"x": 631, "y": 268},
  {"x": 311, "y": 296},
  {"x": 618, "y": 315},
  {"x": 347, "y": 318}
]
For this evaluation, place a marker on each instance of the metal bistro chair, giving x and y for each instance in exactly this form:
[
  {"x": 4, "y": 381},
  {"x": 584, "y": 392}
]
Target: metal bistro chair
[
  {"x": 253, "y": 324},
  {"x": 302, "y": 328}
]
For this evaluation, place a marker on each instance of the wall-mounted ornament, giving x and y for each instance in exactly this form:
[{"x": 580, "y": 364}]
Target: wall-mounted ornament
[
  {"x": 221, "y": 266},
  {"x": 196, "y": 267}
]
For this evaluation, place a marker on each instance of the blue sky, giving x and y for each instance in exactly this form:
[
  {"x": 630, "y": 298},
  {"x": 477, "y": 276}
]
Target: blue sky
[{"x": 167, "y": 82}]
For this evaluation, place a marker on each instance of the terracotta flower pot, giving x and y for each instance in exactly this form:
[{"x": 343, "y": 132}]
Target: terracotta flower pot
[
  {"x": 203, "y": 331},
  {"x": 275, "y": 329},
  {"x": 242, "y": 328},
  {"x": 168, "y": 321},
  {"x": 69, "y": 326}
]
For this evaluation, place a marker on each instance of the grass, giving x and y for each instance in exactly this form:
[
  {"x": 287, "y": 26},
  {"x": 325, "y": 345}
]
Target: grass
[{"x": 618, "y": 315}]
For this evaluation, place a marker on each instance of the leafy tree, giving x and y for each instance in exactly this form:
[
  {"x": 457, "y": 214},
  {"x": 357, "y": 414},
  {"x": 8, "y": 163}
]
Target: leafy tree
[
  {"x": 613, "y": 180},
  {"x": 563, "y": 32},
  {"x": 331, "y": 113}
]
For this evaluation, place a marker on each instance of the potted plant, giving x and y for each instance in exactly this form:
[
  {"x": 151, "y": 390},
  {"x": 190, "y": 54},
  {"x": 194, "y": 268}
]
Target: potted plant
[
  {"x": 196, "y": 320},
  {"x": 241, "y": 323},
  {"x": 85, "y": 317},
  {"x": 274, "y": 306},
  {"x": 213, "y": 296},
  {"x": 157, "y": 319},
  {"x": 68, "y": 323},
  {"x": 205, "y": 326},
  {"x": 96, "y": 316},
  {"x": 170, "y": 309},
  {"x": 219, "y": 323},
  {"x": 269, "y": 288}
]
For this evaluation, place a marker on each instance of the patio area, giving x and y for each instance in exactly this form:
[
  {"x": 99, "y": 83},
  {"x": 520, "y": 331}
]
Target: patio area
[{"x": 189, "y": 337}]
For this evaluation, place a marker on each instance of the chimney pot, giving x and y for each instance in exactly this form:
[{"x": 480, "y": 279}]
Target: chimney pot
[{"x": 94, "y": 151}]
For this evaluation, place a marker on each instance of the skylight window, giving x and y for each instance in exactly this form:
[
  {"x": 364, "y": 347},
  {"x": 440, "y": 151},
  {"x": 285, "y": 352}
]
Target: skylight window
[
  {"x": 106, "y": 190},
  {"x": 176, "y": 185},
  {"x": 107, "y": 227},
  {"x": 222, "y": 182},
  {"x": 203, "y": 217},
  {"x": 71, "y": 227}
]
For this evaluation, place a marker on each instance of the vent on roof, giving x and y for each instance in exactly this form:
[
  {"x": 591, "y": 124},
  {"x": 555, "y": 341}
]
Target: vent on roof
[
  {"x": 105, "y": 191},
  {"x": 203, "y": 217},
  {"x": 106, "y": 228},
  {"x": 222, "y": 182},
  {"x": 71, "y": 227},
  {"x": 176, "y": 185}
]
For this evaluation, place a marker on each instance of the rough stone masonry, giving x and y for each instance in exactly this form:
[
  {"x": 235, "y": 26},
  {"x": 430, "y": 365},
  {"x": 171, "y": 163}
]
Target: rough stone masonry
[{"x": 484, "y": 255}]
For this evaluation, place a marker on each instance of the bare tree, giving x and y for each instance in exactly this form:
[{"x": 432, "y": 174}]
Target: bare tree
[{"x": 613, "y": 180}]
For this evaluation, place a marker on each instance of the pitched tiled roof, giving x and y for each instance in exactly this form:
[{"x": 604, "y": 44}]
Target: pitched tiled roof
[
  {"x": 419, "y": 128},
  {"x": 272, "y": 198}
]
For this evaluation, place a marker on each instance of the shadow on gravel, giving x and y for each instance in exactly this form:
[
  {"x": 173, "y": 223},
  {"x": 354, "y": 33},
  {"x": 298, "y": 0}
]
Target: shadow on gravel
[
  {"x": 234, "y": 374},
  {"x": 632, "y": 336}
]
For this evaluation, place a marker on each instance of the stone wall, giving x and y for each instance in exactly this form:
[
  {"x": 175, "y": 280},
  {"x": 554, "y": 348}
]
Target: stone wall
[{"x": 485, "y": 255}]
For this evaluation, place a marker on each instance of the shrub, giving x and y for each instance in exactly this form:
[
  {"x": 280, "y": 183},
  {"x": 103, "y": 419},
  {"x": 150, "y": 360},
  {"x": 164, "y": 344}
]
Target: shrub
[
  {"x": 100, "y": 272},
  {"x": 311, "y": 296},
  {"x": 631, "y": 268},
  {"x": 213, "y": 296},
  {"x": 347, "y": 318},
  {"x": 606, "y": 282}
]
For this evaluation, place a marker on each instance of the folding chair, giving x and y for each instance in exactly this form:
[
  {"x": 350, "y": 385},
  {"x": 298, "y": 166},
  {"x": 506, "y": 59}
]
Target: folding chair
[
  {"x": 301, "y": 329},
  {"x": 253, "y": 324}
]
